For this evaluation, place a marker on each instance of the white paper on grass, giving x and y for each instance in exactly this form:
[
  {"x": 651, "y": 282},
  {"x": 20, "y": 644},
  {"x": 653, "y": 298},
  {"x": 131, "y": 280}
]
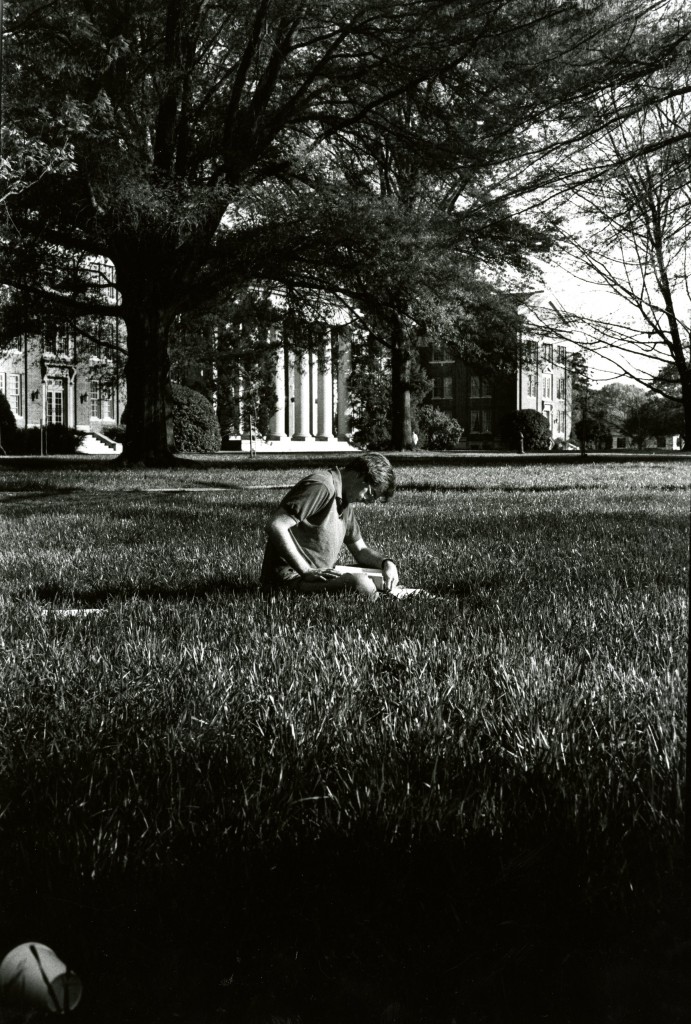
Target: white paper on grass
[{"x": 377, "y": 578}]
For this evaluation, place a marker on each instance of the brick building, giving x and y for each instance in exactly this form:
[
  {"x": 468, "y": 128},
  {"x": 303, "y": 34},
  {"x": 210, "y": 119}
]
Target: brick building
[
  {"x": 69, "y": 376},
  {"x": 64, "y": 380},
  {"x": 313, "y": 405},
  {"x": 481, "y": 400}
]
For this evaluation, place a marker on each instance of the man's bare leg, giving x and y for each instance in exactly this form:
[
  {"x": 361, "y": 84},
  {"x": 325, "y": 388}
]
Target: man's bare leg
[{"x": 327, "y": 583}]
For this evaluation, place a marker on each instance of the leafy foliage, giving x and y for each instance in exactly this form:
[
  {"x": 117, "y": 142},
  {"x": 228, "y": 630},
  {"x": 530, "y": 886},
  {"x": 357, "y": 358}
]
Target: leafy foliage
[
  {"x": 592, "y": 432},
  {"x": 115, "y": 432},
  {"x": 625, "y": 409},
  {"x": 370, "y": 384},
  {"x": 438, "y": 430},
  {"x": 195, "y": 425},
  {"x": 197, "y": 138},
  {"x": 601, "y": 412},
  {"x": 230, "y": 348},
  {"x": 628, "y": 229},
  {"x": 8, "y": 425},
  {"x": 535, "y": 428},
  {"x": 652, "y": 417},
  {"x": 57, "y": 440}
]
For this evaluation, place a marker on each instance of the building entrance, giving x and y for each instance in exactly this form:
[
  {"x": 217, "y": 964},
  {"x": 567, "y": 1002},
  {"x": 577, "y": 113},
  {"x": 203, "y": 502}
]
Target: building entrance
[{"x": 55, "y": 400}]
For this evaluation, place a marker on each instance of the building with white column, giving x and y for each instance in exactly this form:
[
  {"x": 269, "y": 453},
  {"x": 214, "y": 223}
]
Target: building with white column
[
  {"x": 278, "y": 432},
  {"x": 312, "y": 405}
]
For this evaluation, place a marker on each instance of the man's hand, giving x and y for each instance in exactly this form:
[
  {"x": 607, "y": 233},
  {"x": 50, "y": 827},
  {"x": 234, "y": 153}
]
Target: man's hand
[
  {"x": 389, "y": 574},
  {"x": 311, "y": 575}
]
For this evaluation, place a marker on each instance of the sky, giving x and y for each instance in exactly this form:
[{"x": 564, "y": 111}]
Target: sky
[{"x": 594, "y": 300}]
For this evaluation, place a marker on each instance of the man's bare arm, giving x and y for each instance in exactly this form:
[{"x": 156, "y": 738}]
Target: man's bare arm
[
  {"x": 370, "y": 558},
  {"x": 278, "y": 532}
]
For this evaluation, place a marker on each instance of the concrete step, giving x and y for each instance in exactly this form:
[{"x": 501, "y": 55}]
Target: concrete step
[
  {"x": 93, "y": 445},
  {"x": 287, "y": 445}
]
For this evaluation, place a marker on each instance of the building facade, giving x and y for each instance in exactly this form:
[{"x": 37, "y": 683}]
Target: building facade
[
  {"x": 284, "y": 399},
  {"x": 62, "y": 380},
  {"x": 312, "y": 401},
  {"x": 480, "y": 400},
  {"x": 312, "y": 405},
  {"x": 70, "y": 373},
  {"x": 69, "y": 380}
]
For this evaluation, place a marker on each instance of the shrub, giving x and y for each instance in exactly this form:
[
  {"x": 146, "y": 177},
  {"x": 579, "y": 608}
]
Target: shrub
[
  {"x": 370, "y": 388},
  {"x": 115, "y": 432},
  {"x": 59, "y": 440},
  {"x": 195, "y": 427},
  {"x": 374, "y": 434},
  {"x": 537, "y": 435},
  {"x": 8, "y": 425},
  {"x": 438, "y": 430},
  {"x": 369, "y": 385}
]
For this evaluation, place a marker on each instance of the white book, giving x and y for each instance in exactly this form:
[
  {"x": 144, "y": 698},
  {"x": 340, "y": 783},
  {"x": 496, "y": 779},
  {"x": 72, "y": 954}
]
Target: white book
[{"x": 376, "y": 576}]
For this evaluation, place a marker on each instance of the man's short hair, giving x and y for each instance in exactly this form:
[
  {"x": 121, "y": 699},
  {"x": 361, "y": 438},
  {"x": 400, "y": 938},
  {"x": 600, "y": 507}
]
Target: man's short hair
[{"x": 375, "y": 470}]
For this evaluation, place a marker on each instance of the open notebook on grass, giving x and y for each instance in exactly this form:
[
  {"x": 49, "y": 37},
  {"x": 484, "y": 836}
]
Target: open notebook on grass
[{"x": 375, "y": 575}]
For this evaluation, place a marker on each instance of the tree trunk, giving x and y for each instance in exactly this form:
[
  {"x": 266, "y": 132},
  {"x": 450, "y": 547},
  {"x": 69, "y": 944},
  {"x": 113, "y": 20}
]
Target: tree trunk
[
  {"x": 401, "y": 422},
  {"x": 686, "y": 404},
  {"x": 148, "y": 420}
]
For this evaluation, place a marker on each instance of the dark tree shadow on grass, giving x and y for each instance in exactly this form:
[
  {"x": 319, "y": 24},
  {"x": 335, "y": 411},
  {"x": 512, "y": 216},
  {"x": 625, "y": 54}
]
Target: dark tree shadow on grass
[
  {"x": 34, "y": 493},
  {"x": 100, "y": 597}
]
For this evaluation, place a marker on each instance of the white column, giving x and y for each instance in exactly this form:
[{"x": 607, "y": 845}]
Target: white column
[
  {"x": 342, "y": 382},
  {"x": 247, "y": 410},
  {"x": 243, "y": 430},
  {"x": 277, "y": 424},
  {"x": 71, "y": 399},
  {"x": 324, "y": 392},
  {"x": 302, "y": 398},
  {"x": 313, "y": 386},
  {"x": 291, "y": 394},
  {"x": 44, "y": 415}
]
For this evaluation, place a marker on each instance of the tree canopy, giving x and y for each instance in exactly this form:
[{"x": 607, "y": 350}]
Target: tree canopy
[
  {"x": 377, "y": 151},
  {"x": 627, "y": 228}
]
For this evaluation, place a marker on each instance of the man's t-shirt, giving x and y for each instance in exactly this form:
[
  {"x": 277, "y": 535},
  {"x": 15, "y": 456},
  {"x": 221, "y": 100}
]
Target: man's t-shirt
[{"x": 323, "y": 526}]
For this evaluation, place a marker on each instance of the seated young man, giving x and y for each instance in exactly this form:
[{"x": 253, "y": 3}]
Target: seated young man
[{"x": 313, "y": 521}]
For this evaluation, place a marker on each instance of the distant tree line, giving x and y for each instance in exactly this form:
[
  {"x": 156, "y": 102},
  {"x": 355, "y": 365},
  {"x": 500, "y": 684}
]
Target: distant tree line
[{"x": 628, "y": 411}]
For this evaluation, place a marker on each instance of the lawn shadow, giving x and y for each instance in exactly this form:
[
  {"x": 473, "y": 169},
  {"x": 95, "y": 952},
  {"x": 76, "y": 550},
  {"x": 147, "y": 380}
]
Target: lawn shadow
[
  {"x": 434, "y": 488},
  {"x": 100, "y": 597},
  {"x": 193, "y": 486},
  {"x": 34, "y": 493},
  {"x": 459, "y": 589}
]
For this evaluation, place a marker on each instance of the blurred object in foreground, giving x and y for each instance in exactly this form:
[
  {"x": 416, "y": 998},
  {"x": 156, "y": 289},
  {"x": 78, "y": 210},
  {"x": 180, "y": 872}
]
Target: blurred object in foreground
[{"x": 32, "y": 975}]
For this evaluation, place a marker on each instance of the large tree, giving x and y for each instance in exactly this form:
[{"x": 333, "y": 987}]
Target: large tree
[
  {"x": 431, "y": 222},
  {"x": 629, "y": 232},
  {"x": 437, "y": 237},
  {"x": 184, "y": 119}
]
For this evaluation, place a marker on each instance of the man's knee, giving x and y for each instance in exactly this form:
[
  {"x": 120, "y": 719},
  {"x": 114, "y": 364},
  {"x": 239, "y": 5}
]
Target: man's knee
[
  {"x": 357, "y": 582},
  {"x": 362, "y": 584}
]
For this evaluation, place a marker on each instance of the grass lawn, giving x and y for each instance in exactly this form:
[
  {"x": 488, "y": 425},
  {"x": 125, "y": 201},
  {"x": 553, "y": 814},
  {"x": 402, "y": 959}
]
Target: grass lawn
[{"x": 222, "y": 808}]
